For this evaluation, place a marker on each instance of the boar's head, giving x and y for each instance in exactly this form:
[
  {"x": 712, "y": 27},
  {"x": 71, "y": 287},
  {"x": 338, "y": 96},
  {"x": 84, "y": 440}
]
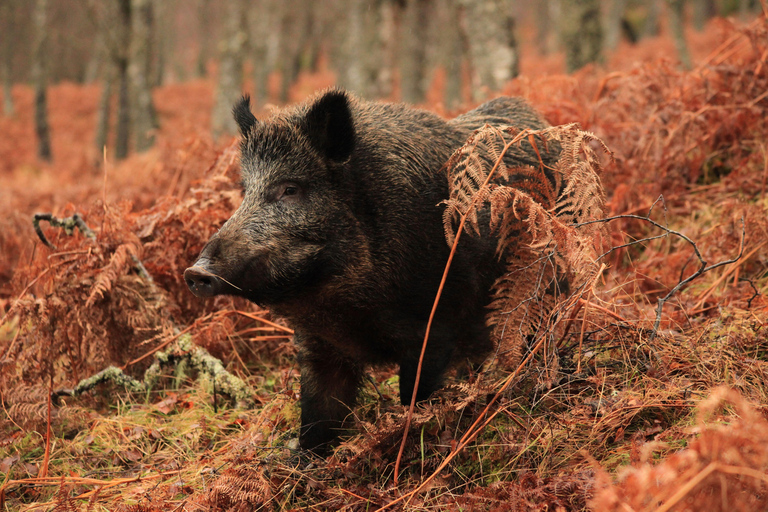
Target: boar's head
[{"x": 295, "y": 229}]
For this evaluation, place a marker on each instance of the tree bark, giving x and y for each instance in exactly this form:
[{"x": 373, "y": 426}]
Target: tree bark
[
  {"x": 490, "y": 29},
  {"x": 40, "y": 79},
  {"x": 201, "y": 64},
  {"x": 413, "y": 55},
  {"x": 651, "y": 25},
  {"x": 703, "y": 10},
  {"x": 120, "y": 56},
  {"x": 581, "y": 33},
  {"x": 453, "y": 52},
  {"x": 7, "y": 25},
  {"x": 676, "y": 20},
  {"x": 230, "y": 70},
  {"x": 102, "y": 123},
  {"x": 362, "y": 56},
  {"x": 544, "y": 40},
  {"x": 261, "y": 18},
  {"x": 144, "y": 121},
  {"x": 613, "y": 23}
]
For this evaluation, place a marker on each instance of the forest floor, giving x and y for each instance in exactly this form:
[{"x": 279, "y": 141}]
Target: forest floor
[{"x": 617, "y": 414}]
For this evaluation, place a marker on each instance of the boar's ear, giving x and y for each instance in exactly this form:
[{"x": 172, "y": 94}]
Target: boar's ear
[
  {"x": 243, "y": 116},
  {"x": 330, "y": 127}
]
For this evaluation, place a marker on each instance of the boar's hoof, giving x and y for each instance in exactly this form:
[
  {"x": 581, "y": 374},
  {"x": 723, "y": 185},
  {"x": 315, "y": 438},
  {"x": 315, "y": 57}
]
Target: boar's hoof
[{"x": 203, "y": 283}]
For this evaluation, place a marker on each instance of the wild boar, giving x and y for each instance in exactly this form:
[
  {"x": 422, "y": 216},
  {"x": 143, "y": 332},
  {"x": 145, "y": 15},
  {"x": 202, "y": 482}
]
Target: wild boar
[{"x": 340, "y": 232}]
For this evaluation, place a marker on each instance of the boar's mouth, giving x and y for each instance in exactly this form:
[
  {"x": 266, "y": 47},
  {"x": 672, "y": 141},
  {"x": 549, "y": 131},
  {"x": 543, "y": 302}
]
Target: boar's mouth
[{"x": 204, "y": 283}]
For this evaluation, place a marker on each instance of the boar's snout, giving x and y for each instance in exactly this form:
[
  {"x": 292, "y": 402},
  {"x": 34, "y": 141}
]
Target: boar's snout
[{"x": 202, "y": 282}]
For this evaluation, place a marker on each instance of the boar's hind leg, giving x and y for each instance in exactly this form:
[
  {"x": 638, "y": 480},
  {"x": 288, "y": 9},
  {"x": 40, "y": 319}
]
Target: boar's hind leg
[{"x": 329, "y": 384}]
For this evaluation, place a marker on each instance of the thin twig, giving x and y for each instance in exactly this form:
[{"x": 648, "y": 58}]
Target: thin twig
[{"x": 703, "y": 268}]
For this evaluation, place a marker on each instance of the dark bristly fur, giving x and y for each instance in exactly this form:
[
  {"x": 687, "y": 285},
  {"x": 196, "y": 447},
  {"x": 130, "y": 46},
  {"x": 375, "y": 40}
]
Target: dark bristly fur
[{"x": 340, "y": 232}]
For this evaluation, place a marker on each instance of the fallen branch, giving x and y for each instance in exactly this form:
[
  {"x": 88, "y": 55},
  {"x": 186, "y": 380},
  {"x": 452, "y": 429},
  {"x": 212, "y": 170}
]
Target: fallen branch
[
  {"x": 210, "y": 372},
  {"x": 68, "y": 224},
  {"x": 703, "y": 267}
]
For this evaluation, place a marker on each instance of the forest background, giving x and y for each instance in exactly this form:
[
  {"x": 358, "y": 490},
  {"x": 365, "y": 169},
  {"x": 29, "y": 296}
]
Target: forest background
[{"x": 119, "y": 111}]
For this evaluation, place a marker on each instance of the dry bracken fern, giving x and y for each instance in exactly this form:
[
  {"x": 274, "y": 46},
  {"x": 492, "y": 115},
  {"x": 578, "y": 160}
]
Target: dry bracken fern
[{"x": 537, "y": 214}]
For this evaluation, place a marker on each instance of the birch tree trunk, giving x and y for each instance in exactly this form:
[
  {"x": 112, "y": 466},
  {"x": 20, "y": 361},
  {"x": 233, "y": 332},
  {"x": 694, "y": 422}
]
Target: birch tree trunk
[
  {"x": 102, "y": 122},
  {"x": 453, "y": 51},
  {"x": 230, "y": 70},
  {"x": 492, "y": 46},
  {"x": 676, "y": 20},
  {"x": 144, "y": 118},
  {"x": 120, "y": 56},
  {"x": 613, "y": 23},
  {"x": 581, "y": 33},
  {"x": 40, "y": 78},
  {"x": 7, "y": 24},
  {"x": 413, "y": 54}
]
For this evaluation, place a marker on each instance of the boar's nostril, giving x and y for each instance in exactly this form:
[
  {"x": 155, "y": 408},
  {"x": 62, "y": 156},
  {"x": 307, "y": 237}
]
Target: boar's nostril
[{"x": 201, "y": 282}]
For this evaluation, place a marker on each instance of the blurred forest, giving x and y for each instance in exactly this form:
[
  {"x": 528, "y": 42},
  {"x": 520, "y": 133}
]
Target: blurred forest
[
  {"x": 119, "y": 160},
  {"x": 455, "y": 51}
]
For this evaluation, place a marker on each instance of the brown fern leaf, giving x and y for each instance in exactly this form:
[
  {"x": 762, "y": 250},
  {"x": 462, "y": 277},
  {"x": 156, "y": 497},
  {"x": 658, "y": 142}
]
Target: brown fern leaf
[
  {"x": 120, "y": 260},
  {"x": 536, "y": 213},
  {"x": 468, "y": 175},
  {"x": 241, "y": 487}
]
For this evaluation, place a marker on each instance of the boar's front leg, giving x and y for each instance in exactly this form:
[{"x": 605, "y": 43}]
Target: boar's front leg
[
  {"x": 329, "y": 384},
  {"x": 432, "y": 370}
]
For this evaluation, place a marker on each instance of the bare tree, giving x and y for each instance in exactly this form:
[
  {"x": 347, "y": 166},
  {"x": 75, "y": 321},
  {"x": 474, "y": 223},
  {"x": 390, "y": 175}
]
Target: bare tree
[
  {"x": 121, "y": 39},
  {"x": 676, "y": 21},
  {"x": 232, "y": 47},
  {"x": 7, "y": 26},
  {"x": 452, "y": 50},
  {"x": 263, "y": 41},
  {"x": 102, "y": 122},
  {"x": 144, "y": 117},
  {"x": 361, "y": 52},
  {"x": 201, "y": 65},
  {"x": 545, "y": 43},
  {"x": 490, "y": 29},
  {"x": 581, "y": 32},
  {"x": 613, "y": 23},
  {"x": 413, "y": 54},
  {"x": 388, "y": 23},
  {"x": 40, "y": 79},
  {"x": 651, "y": 26},
  {"x": 703, "y": 10}
]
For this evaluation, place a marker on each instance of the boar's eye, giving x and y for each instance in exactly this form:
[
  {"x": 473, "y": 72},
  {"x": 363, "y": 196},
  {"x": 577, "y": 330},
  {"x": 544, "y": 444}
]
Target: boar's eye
[{"x": 288, "y": 192}]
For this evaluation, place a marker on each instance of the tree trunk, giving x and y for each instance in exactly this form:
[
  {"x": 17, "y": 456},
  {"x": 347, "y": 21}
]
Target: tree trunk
[
  {"x": 613, "y": 23},
  {"x": 144, "y": 119},
  {"x": 7, "y": 25},
  {"x": 388, "y": 41},
  {"x": 651, "y": 25},
  {"x": 102, "y": 123},
  {"x": 201, "y": 64},
  {"x": 490, "y": 29},
  {"x": 261, "y": 18},
  {"x": 362, "y": 56},
  {"x": 676, "y": 20},
  {"x": 453, "y": 52},
  {"x": 230, "y": 70},
  {"x": 413, "y": 55},
  {"x": 8, "y": 108},
  {"x": 544, "y": 38},
  {"x": 123, "y": 129},
  {"x": 581, "y": 33},
  {"x": 40, "y": 79},
  {"x": 120, "y": 56},
  {"x": 160, "y": 37},
  {"x": 703, "y": 10}
]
